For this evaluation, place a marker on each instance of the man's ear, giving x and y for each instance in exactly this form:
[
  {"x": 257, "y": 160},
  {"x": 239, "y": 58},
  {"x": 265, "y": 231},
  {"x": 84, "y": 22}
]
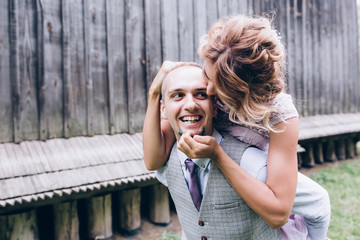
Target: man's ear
[{"x": 162, "y": 110}]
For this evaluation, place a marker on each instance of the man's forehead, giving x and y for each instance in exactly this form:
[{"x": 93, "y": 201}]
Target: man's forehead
[
  {"x": 184, "y": 70},
  {"x": 184, "y": 75}
]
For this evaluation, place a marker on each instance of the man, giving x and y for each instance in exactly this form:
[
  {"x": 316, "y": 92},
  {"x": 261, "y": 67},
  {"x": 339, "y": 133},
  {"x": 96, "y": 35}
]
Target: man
[
  {"x": 215, "y": 210},
  {"x": 222, "y": 214}
]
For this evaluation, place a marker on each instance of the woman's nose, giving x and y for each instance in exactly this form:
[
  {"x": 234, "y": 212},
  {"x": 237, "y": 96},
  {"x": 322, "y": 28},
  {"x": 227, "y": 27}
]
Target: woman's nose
[{"x": 210, "y": 89}]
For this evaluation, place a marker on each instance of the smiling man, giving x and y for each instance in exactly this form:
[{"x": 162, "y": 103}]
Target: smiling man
[
  {"x": 185, "y": 102},
  {"x": 207, "y": 206}
]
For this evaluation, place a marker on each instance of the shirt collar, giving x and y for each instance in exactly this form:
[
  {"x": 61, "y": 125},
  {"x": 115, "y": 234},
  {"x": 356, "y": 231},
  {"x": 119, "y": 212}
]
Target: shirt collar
[{"x": 200, "y": 162}]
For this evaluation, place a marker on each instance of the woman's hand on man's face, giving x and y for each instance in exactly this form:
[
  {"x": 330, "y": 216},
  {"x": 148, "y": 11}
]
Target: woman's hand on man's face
[{"x": 196, "y": 146}]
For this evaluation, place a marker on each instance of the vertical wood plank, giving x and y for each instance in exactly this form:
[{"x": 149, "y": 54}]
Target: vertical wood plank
[
  {"x": 23, "y": 69},
  {"x": 200, "y": 25},
  {"x": 223, "y": 8},
  {"x": 74, "y": 78},
  {"x": 308, "y": 159},
  {"x": 66, "y": 221},
  {"x": 129, "y": 210},
  {"x": 152, "y": 39},
  {"x": 256, "y": 7},
  {"x": 354, "y": 46},
  {"x": 6, "y": 126},
  {"x": 316, "y": 73},
  {"x": 233, "y": 7},
  {"x": 309, "y": 61},
  {"x": 97, "y": 85},
  {"x": 99, "y": 217},
  {"x": 306, "y": 60},
  {"x": 158, "y": 204},
  {"x": 299, "y": 70},
  {"x": 333, "y": 82},
  {"x": 318, "y": 153},
  {"x": 135, "y": 57},
  {"x": 325, "y": 55},
  {"x": 186, "y": 31},
  {"x": 290, "y": 37},
  {"x": 243, "y": 7},
  {"x": 19, "y": 226},
  {"x": 51, "y": 85},
  {"x": 211, "y": 13},
  {"x": 118, "y": 95},
  {"x": 340, "y": 149},
  {"x": 169, "y": 20}
]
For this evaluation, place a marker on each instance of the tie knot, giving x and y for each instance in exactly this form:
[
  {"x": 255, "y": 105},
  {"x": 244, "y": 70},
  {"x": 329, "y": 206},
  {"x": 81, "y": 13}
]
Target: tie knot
[{"x": 190, "y": 165}]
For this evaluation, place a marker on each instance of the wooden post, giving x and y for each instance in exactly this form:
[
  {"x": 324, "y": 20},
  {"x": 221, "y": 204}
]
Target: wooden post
[
  {"x": 158, "y": 204},
  {"x": 355, "y": 146},
  {"x": 340, "y": 149},
  {"x": 66, "y": 221},
  {"x": 318, "y": 153},
  {"x": 99, "y": 217},
  {"x": 128, "y": 211},
  {"x": 329, "y": 151},
  {"x": 19, "y": 226},
  {"x": 350, "y": 149},
  {"x": 308, "y": 160},
  {"x": 299, "y": 158}
]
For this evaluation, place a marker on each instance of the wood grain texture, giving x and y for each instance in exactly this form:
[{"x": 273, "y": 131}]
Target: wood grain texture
[
  {"x": 153, "y": 36},
  {"x": 118, "y": 96},
  {"x": 97, "y": 82},
  {"x": 187, "y": 47},
  {"x": 6, "y": 125},
  {"x": 66, "y": 221},
  {"x": 135, "y": 57},
  {"x": 24, "y": 65},
  {"x": 200, "y": 25},
  {"x": 19, "y": 226},
  {"x": 51, "y": 76},
  {"x": 74, "y": 68},
  {"x": 74, "y": 78},
  {"x": 99, "y": 217}
]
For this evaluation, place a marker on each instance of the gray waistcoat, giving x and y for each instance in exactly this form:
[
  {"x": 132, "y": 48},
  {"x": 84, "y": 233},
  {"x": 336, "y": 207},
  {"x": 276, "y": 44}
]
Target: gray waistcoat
[{"x": 223, "y": 214}]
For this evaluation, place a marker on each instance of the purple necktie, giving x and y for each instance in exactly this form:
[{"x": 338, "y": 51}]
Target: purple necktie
[{"x": 193, "y": 183}]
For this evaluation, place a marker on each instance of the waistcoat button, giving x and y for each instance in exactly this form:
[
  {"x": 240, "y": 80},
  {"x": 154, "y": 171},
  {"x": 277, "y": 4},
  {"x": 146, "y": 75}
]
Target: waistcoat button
[
  {"x": 203, "y": 238},
  {"x": 201, "y": 223}
]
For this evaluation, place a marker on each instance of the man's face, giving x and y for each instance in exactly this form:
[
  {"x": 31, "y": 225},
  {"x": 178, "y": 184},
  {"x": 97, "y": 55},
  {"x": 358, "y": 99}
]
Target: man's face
[{"x": 185, "y": 102}]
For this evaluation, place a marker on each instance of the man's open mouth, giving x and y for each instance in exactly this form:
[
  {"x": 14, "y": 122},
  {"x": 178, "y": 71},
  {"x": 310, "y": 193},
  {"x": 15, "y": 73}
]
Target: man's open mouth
[{"x": 191, "y": 119}]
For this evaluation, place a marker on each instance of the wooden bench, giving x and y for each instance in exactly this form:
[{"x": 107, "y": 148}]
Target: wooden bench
[
  {"x": 328, "y": 138},
  {"x": 101, "y": 182},
  {"x": 82, "y": 181}
]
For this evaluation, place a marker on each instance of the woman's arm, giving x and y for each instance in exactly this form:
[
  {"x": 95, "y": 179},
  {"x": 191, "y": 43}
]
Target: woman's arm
[
  {"x": 158, "y": 136},
  {"x": 272, "y": 200}
]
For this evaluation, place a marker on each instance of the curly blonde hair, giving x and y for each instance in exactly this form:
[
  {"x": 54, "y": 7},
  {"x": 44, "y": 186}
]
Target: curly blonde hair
[{"x": 249, "y": 62}]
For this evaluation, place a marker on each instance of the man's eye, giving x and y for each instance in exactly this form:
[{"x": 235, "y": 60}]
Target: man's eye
[
  {"x": 177, "y": 95},
  {"x": 202, "y": 95}
]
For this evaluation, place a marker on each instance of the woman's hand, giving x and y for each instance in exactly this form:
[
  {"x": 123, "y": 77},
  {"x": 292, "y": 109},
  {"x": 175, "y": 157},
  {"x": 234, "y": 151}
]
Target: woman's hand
[
  {"x": 198, "y": 146},
  {"x": 166, "y": 67}
]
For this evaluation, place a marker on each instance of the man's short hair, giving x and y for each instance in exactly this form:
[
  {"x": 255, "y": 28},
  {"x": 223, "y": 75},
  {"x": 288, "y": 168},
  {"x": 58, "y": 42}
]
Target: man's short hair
[{"x": 188, "y": 64}]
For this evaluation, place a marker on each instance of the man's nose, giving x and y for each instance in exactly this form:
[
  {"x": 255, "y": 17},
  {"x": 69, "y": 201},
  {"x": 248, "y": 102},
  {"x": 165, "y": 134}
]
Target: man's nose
[{"x": 190, "y": 104}]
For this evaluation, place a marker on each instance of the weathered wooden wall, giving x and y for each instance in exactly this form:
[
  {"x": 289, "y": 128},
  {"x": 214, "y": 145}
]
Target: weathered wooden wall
[{"x": 78, "y": 67}]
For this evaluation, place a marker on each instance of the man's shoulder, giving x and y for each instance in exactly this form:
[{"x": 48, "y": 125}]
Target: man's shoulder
[{"x": 229, "y": 140}]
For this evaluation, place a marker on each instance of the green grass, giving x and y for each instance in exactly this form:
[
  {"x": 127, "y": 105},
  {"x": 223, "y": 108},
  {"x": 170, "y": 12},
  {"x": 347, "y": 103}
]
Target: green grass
[
  {"x": 343, "y": 184},
  {"x": 342, "y": 181},
  {"x": 169, "y": 235}
]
